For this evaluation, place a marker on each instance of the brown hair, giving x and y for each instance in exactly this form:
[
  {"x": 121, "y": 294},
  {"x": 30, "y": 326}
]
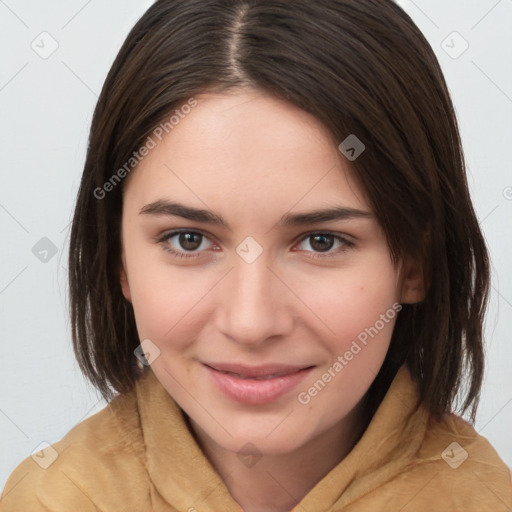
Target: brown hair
[{"x": 361, "y": 68}]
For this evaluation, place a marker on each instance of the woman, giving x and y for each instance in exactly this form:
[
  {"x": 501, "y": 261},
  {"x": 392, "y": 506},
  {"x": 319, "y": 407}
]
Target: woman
[{"x": 276, "y": 273}]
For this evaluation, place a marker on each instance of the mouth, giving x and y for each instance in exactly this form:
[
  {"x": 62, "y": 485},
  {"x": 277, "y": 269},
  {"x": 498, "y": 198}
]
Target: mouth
[
  {"x": 263, "y": 372},
  {"x": 256, "y": 385}
]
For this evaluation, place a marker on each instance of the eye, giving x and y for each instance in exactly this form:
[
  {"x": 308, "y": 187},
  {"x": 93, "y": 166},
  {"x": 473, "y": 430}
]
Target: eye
[
  {"x": 324, "y": 243},
  {"x": 190, "y": 244},
  {"x": 185, "y": 244}
]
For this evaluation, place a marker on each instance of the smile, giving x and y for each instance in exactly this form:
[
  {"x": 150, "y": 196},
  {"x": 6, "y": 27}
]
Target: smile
[{"x": 255, "y": 385}]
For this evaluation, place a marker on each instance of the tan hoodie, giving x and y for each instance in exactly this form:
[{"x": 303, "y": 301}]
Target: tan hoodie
[{"x": 138, "y": 455}]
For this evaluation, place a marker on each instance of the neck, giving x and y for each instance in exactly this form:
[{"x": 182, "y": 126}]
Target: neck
[{"x": 277, "y": 483}]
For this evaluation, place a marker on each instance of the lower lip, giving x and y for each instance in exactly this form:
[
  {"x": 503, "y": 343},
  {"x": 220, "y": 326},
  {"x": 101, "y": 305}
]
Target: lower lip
[{"x": 253, "y": 391}]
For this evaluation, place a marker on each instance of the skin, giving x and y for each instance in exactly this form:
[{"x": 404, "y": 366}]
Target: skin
[{"x": 251, "y": 158}]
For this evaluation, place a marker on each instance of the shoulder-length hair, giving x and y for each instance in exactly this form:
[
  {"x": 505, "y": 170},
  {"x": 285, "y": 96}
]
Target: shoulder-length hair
[{"x": 361, "y": 68}]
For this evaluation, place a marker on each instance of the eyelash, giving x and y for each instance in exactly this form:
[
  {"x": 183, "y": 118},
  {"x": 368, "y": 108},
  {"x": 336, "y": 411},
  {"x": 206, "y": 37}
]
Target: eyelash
[{"x": 164, "y": 239}]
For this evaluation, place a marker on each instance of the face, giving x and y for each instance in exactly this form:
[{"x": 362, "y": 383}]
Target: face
[{"x": 267, "y": 321}]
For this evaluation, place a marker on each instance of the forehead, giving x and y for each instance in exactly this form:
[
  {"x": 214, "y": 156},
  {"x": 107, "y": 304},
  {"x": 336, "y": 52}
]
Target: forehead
[{"x": 250, "y": 149}]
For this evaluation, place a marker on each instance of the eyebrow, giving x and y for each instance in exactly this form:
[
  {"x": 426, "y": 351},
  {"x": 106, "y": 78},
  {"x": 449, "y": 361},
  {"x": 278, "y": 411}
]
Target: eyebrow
[{"x": 171, "y": 208}]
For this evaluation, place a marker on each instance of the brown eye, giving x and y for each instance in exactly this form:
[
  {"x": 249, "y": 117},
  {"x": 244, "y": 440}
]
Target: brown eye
[
  {"x": 185, "y": 244},
  {"x": 322, "y": 243},
  {"x": 190, "y": 241}
]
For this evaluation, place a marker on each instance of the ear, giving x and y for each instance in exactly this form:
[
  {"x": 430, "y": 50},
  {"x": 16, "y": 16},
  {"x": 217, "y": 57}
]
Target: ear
[
  {"x": 123, "y": 277},
  {"x": 413, "y": 282}
]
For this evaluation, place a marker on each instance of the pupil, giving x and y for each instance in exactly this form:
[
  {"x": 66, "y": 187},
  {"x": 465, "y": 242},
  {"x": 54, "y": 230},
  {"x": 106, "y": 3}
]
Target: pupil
[
  {"x": 322, "y": 243},
  {"x": 190, "y": 241}
]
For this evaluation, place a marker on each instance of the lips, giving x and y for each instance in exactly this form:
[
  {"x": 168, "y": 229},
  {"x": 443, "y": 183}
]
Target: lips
[
  {"x": 256, "y": 372},
  {"x": 256, "y": 385}
]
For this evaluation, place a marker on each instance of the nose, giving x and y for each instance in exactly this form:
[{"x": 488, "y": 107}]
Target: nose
[{"x": 254, "y": 305}]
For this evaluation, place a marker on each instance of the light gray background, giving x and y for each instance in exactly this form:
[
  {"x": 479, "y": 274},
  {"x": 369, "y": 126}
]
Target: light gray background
[{"x": 46, "y": 106}]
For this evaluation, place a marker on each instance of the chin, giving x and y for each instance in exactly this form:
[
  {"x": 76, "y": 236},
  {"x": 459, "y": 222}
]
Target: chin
[
  {"x": 262, "y": 447},
  {"x": 266, "y": 440}
]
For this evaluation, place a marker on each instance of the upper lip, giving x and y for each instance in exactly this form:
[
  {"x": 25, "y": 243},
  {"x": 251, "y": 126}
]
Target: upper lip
[{"x": 248, "y": 371}]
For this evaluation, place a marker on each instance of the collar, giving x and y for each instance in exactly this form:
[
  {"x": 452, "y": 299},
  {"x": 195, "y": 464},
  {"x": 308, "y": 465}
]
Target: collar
[{"x": 184, "y": 477}]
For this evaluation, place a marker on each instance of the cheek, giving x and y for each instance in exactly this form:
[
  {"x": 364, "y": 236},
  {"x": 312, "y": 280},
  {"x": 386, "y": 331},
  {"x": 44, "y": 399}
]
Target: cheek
[
  {"x": 169, "y": 302},
  {"x": 361, "y": 308},
  {"x": 352, "y": 300}
]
